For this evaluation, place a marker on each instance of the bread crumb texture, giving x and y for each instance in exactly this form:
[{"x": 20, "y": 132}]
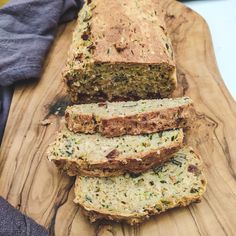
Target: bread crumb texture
[
  {"x": 94, "y": 148},
  {"x": 134, "y": 198}
]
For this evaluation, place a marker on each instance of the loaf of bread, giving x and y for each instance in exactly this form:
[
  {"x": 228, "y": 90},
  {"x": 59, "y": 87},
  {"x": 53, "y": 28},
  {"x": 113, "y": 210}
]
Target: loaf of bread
[
  {"x": 133, "y": 117},
  {"x": 96, "y": 155},
  {"x": 134, "y": 198},
  {"x": 114, "y": 57}
]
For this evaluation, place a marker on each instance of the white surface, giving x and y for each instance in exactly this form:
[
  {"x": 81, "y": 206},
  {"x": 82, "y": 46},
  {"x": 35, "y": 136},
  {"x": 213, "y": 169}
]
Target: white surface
[{"x": 221, "y": 18}]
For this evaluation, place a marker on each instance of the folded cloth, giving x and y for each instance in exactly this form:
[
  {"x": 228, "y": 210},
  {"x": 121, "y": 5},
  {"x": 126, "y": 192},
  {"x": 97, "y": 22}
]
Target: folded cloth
[
  {"x": 27, "y": 29},
  {"x": 12, "y": 222}
]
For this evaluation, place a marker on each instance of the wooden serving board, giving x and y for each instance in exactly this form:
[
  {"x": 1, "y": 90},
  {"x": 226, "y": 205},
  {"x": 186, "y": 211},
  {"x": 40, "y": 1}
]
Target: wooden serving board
[{"x": 33, "y": 185}]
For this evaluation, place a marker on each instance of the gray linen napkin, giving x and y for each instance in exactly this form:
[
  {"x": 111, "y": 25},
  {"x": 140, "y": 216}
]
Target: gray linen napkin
[
  {"x": 13, "y": 223},
  {"x": 27, "y": 30}
]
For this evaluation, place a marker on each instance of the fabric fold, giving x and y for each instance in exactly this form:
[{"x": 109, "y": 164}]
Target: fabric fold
[
  {"x": 27, "y": 29},
  {"x": 13, "y": 222}
]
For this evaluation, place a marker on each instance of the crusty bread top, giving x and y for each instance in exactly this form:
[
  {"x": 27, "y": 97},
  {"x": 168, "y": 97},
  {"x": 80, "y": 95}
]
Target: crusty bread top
[
  {"x": 114, "y": 109},
  {"x": 178, "y": 180},
  {"x": 95, "y": 148},
  {"x": 115, "y": 26},
  {"x": 116, "y": 34}
]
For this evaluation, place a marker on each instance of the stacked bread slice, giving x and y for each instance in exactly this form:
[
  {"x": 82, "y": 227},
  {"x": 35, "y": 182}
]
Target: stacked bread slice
[
  {"x": 129, "y": 158},
  {"x": 134, "y": 198}
]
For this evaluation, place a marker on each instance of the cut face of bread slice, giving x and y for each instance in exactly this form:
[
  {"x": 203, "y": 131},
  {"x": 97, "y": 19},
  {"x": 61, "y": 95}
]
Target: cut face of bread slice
[
  {"x": 134, "y": 198},
  {"x": 95, "y": 155},
  {"x": 139, "y": 117},
  {"x": 113, "y": 57}
]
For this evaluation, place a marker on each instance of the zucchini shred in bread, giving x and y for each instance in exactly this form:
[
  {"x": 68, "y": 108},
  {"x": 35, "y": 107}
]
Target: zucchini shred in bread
[
  {"x": 114, "y": 57},
  {"x": 95, "y": 155},
  {"x": 133, "y": 199},
  {"x": 133, "y": 117}
]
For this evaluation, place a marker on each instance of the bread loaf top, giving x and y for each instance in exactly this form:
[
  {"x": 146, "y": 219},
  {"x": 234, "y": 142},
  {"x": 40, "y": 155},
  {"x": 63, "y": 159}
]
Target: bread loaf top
[
  {"x": 111, "y": 32},
  {"x": 119, "y": 36}
]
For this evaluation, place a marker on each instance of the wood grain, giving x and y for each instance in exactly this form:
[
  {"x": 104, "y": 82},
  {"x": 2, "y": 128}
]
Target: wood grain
[{"x": 33, "y": 185}]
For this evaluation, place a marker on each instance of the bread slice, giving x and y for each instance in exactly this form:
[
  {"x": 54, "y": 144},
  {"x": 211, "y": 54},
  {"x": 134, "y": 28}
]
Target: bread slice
[
  {"x": 134, "y": 198},
  {"x": 96, "y": 155},
  {"x": 139, "y": 117},
  {"x": 114, "y": 57}
]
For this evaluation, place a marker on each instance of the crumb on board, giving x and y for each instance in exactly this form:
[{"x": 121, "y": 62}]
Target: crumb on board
[{"x": 45, "y": 122}]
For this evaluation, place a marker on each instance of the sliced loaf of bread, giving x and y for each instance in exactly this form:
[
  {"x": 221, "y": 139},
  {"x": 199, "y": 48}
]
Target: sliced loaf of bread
[
  {"x": 134, "y": 198},
  {"x": 139, "y": 117},
  {"x": 96, "y": 155},
  {"x": 113, "y": 57}
]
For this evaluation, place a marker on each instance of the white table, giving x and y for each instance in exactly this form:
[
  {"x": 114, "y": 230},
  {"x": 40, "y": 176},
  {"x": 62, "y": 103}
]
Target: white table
[{"x": 221, "y": 18}]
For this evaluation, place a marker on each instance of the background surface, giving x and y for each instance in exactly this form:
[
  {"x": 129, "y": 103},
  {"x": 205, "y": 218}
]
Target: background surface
[{"x": 221, "y": 18}]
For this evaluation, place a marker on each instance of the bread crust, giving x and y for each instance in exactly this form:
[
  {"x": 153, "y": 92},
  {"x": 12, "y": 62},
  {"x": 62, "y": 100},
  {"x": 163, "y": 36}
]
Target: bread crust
[
  {"x": 94, "y": 216},
  {"x": 143, "y": 123},
  {"x": 81, "y": 123},
  {"x": 119, "y": 35},
  {"x": 112, "y": 167}
]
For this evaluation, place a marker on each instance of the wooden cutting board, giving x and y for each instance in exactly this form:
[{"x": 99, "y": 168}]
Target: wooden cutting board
[{"x": 33, "y": 185}]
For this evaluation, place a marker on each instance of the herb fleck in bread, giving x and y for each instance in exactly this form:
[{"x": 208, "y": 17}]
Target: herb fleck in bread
[
  {"x": 114, "y": 57},
  {"x": 96, "y": 155},
  {"x": 133, "y": 198},
  {"x": 139, "y": 117}
]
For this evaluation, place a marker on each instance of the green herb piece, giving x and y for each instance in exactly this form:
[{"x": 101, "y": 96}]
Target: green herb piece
[
  {"x": 175, "y": 162},
  {"x": 69, "y": 153},
  {"x": 151, "y": 183},
  {"x": 165, "y": 202},
  {"x": 157, "y": 169},
  {"x": 177, "y": 182},
  {"x": 194, "y": 190},
  {"x": 120, "y": 78},
  {"x": 134, "y": 175},
  {"x": 181, "y": 155},
  {"x": 87, "y": 198}
]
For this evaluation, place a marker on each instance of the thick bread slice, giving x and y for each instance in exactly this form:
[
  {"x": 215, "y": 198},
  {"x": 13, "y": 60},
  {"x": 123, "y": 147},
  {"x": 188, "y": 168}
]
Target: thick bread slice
[
  {"x": 140, "y": 117},
  {"x": 114, "y": 57},
  {"x": 96, "y": 155},
  {"x": 134, "y": 198}
]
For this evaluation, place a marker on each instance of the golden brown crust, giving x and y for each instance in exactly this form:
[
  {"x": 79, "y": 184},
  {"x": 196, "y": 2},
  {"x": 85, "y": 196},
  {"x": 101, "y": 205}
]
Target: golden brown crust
[
  {"x": 117, "y": 166},
  {"x": 93, "y": 215},
  {"x": 118, "y": 28},
  {"x": 143, "y": 123},
  {"x": 82, "y": 122}
]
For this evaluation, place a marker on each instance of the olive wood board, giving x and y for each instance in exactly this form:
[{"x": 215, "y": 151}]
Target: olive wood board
[{"x": 33, "y": 185}]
